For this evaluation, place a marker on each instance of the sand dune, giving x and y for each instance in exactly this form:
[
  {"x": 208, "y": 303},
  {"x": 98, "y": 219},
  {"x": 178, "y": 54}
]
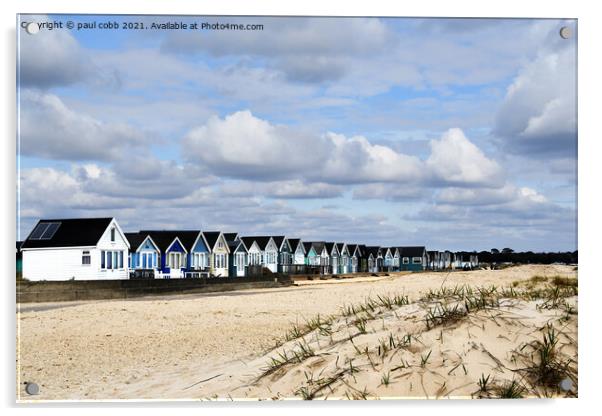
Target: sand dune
[{"x": 221, "y": 345}]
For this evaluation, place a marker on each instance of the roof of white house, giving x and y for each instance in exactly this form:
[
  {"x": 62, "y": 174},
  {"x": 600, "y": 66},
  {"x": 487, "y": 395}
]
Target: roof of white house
[{"x": 67, "y": 232}]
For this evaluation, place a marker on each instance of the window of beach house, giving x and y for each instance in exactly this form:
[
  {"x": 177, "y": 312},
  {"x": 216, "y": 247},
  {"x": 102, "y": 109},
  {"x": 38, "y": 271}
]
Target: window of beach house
[
  {"x": 240, "y": 259},
  {"x": 113, "y": 234},
  {"x": 417, "y": 260},
  {"x": 200, "y": 260},
  {"x": 86, "y": 257},
  {"x": 406, "y": 260}
]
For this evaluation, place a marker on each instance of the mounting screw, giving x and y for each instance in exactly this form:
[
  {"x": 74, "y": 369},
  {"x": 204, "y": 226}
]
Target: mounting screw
[
  {"x": 32, "y": 388},
  {"x": 566, "y": 384},
  {"x": 565, "y": 32},
  {"x": 32, "y": 28}
]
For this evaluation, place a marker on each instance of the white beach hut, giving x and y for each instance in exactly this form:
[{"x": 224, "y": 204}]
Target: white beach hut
[{"x": 77, "y": 248}]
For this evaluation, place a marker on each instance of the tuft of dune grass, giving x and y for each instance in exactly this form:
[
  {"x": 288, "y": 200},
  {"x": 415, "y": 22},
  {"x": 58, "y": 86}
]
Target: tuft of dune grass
[{"x": 564, "y": 281}]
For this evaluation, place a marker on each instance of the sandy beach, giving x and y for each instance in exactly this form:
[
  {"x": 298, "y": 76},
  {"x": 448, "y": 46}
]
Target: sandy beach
[{"x": 226, "y": 345}]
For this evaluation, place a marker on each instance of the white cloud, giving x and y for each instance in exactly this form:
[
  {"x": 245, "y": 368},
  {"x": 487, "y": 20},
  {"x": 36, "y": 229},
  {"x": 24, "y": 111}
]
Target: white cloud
[
  {"x": 50, "y": 58},
  {"x": 356, "y": 160},
  {"x": 54, "y": 58},
  {"x": 241, "y": 145},
  {"x": 142, "y": 178},
  {"x": 297, "y": 189},
  {"x": 49, "y": 129},
  {"x": 524, "y": 208},
  {"x": 456, "y": 160},
  {"x": 49, "y": 191},
  {"x": 304, "y": 49},
  {"x": 244, "y": 146},
  {"x": 510, "y": 195},
  {"x": 539, "y": 116},
  {"x": 390, "y": 192},
  {"x": 287, "y": 189}
]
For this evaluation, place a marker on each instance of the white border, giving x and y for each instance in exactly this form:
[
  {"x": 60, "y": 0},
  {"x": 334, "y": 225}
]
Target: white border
[{"x": 590, "y": 153}]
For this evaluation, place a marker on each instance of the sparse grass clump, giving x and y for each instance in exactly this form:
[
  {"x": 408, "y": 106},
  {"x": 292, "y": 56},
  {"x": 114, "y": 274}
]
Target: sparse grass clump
[
  {"x": 555, "y": 296},
  {"x": 443, "y": 314},
  {"x": 511, "y": 390},
  {"x": 322, "y": 324},
  {"x": 317, "y": 385},
  {"x": 484, "y": 385},
  {"x": 385, "y": 380},
  {"x": 539, "y": 279},
  {"x": 298, "y": 354},
  {"x": 424, "y": 359},
  {"x": 547, "y": 367},
  {"x": 360, "y": 324},
  {"x": 564, "y": 281}
]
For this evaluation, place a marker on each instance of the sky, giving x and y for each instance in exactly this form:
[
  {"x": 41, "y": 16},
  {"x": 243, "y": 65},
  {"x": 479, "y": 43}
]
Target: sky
[{"x": 457, "y": 134}]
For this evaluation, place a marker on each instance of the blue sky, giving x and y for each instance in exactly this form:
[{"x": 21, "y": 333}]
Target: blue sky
[{"x": 454, "y": 133}]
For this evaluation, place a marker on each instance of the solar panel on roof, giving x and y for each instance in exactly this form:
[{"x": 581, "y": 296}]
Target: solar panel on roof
[
  {"x": 38, "y": 231},
  {"x": 50, "y": 231}
]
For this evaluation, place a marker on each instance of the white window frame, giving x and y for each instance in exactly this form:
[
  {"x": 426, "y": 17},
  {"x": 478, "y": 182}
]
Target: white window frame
[
  {"x": 86, "y": 254},
  {"x": 239, "y": 259},
  {"x": 174, "y": 260},
  {"x": 220, "y": 261}
]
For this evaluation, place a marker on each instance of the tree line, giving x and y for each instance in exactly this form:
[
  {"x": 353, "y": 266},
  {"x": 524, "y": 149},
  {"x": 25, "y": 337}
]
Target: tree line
[{"x": 508, "y": 255}]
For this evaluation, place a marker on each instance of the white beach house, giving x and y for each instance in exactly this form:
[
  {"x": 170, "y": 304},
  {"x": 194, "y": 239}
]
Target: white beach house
[{"x": 79, "y": 249}]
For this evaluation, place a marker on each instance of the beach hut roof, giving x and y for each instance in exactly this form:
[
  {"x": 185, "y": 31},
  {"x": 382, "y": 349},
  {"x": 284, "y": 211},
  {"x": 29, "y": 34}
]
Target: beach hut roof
[
  {"x": 231, "y": 237},
  {"x": 374, "y": 250},
  {"x": 411, "y": 251},
  {"x": 261, "y": 240},
  {"x": 66, "y": 232},
  {"x": 294, "y": 242},
  {"x": 211, "y": 238},
  {"x": 279, "y": 240},
  {"x": 164, "y": 238}
]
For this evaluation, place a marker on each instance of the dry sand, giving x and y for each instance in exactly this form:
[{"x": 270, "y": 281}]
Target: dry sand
[{"x": 167, "y": 347}]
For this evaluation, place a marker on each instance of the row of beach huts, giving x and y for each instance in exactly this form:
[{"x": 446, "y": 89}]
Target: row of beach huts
[{"x": 98, "y": 249}]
